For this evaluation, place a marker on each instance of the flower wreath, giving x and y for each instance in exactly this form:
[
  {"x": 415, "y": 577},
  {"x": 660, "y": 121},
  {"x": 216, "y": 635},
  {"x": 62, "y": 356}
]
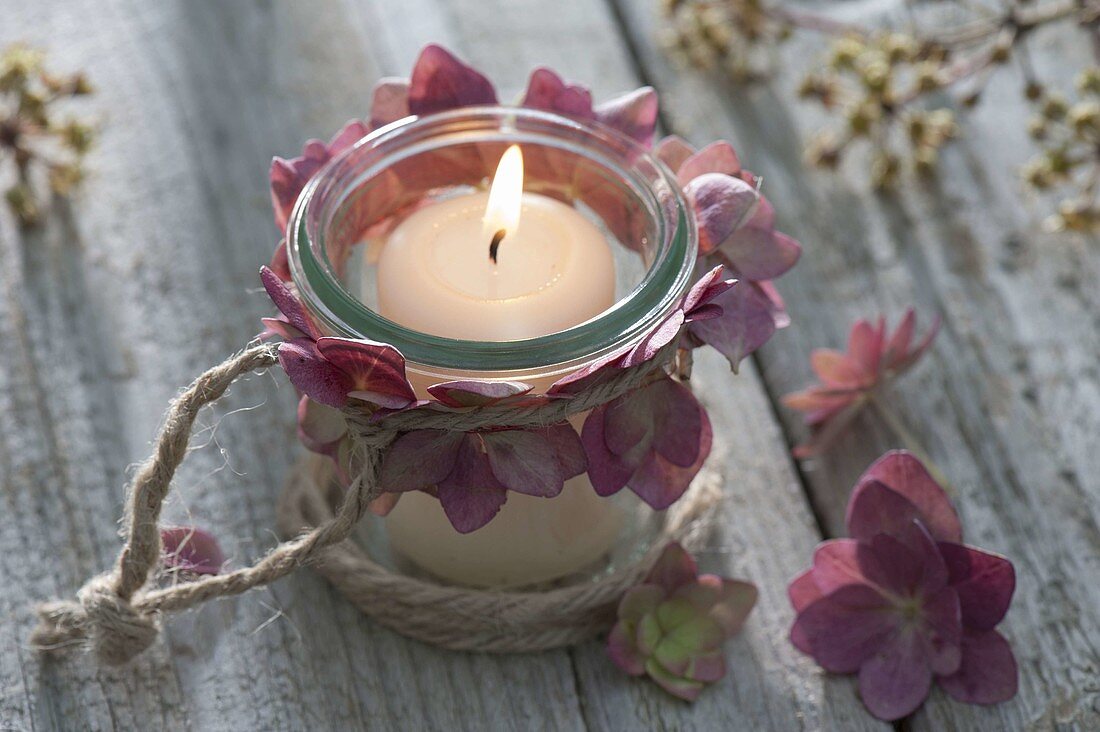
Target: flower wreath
[{"x": 733, "y": 307}]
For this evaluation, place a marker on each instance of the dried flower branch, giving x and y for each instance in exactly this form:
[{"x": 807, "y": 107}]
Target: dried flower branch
[
  {"x": 31, "y": 132},
  {"x": 892, "y": 87}
]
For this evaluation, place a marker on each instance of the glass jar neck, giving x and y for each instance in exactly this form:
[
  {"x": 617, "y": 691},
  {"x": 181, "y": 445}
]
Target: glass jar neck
[{"x": 652, "y": 190}]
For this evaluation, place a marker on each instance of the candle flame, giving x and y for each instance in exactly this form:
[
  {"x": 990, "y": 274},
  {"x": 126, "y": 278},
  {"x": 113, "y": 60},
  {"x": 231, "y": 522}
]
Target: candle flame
[{"x": 505, "y": 194}]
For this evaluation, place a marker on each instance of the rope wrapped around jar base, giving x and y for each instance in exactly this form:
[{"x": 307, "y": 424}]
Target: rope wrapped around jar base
[{"x": 470, "y": 619}]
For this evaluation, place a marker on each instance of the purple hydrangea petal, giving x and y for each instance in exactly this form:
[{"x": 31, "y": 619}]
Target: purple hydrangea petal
[
  {"x": 607, "y": 471},
  {"x": 988, "y": 673},
  {"x": 674, "y": 569},
  {"x": 673, "y": 151},
  {"x": 547, "y": 91},
  {"x": 660, "y": 483},
  {"x": 757, "y": 250},
  {"x": 904, "y": 474},
  {"x": 312, "y": 374},
  {"x": 717, "y": 157},
  {"x": 471, "y": 495},
  {"x": 191, "y": 549},
  {"x": 289, "y": 177},
  {"x": 985, "y": 584},
  {"x": 440, "y": 82},
  {"x": 523, "y": 461},
  {"x": 710, "y": 285},
  {"x": 568, "y": 449},
  {"x": 420, "y": 459},
  {"x": 846, "y": 627},
  {"x": 836, "y": 564},
  {"x": 895, "y": 681},
  {"x": 320, "y": 428},
  {"x": 900, "y": 567},
  {"x": 749, "y": 318},
  {"x": 722, "y": 204},
  {"x": 390, "y": 102},
  {"x": 633, "y": 114},
  {"x": 287, "y": 302}
]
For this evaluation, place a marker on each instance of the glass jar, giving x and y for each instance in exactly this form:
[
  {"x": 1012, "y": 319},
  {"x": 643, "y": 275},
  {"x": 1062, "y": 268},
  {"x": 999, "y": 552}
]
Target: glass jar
[{"x": 340, "y": 225}]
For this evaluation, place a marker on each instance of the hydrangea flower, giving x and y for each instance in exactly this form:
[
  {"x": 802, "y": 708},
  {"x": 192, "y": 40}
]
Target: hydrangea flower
[
  {"x": 672, "y": 626},
  {"x": 191, "y": 549},
  {"x": 736, "y": 231},
  {"x": 903, "y": 602},
  {"x": 874, "y": 358},
  {"x": 471, "y": 472}
]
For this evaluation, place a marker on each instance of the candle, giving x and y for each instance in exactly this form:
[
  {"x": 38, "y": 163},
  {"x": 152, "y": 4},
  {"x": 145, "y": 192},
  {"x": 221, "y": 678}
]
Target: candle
[
  {"x": 501, "y": 266},
  {"x": 551, "y": 267}
]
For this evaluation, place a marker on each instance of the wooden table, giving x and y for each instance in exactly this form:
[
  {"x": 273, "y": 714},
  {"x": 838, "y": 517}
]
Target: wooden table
[{"x": 149, "y": 276}]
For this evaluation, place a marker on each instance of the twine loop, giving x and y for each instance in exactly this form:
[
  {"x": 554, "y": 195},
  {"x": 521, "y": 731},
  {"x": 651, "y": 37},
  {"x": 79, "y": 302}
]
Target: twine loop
[{"x": 116, "y": 615}]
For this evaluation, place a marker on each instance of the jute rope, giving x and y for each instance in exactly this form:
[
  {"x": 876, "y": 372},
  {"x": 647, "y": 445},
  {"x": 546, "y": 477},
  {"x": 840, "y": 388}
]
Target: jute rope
[{"x": 117, "y": 617}]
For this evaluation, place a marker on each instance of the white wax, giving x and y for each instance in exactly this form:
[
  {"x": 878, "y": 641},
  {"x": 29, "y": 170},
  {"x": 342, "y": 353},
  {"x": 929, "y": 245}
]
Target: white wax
[{"x": 553, "y": 271}]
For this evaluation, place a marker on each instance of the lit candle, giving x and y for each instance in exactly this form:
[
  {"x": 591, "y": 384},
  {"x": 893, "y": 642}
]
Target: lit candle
[{"x": 501, "y": 266}]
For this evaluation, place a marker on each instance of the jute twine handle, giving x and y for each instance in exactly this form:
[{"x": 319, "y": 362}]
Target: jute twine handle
[{"x": 118, "y": 619}]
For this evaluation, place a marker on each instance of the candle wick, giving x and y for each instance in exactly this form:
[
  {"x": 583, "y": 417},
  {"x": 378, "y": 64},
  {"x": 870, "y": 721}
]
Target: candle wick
[{"x": 494, "y": 245}]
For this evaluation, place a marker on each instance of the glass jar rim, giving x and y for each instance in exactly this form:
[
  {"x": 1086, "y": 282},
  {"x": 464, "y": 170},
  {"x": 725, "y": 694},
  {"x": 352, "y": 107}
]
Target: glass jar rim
[{"x": 624, "y": 323}]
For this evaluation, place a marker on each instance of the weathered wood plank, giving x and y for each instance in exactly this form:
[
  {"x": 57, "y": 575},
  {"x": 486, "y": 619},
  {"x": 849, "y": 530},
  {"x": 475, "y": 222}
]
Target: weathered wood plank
[{"x": 1009, "y": 402}]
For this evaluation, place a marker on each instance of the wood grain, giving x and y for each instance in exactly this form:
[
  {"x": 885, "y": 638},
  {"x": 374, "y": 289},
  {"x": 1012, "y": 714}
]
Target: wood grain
[{"x": 150, "y": 276}]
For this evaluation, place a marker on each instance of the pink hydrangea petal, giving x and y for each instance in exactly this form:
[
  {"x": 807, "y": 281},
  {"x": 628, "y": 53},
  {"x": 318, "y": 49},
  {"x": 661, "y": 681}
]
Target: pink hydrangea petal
[
  {"x": 320, "y": 428},
  {"x": 282, "y": 328},
  {"x": 988, "y": 673},
  {"x": 673, "y": 569},
  {"x": 474, "y": 393},
  {"x": 547, "y": 91},
  {"x": 607, "y": 471},
  {"x": 836, "y": 564},
  {"x": 191, "y": 549},
  {"x": 376, "y": 370},
  {"x": 523, "y": 461},
  {"x": 312, "y": 374},
  {"x": 803, "y": 590},
  {"x": 440, "y": 82},
  {"x": 839, "y": 370},
  {"x": 902, "y": 363},
  {"x": 865, "y": 344},
  {"x": 654, "y": 342},
  {"x": 749, "y": 318},
  {"x": 419, "y": 459},
  {"x": 845, "y": 628},
  {"x": 390, "y": 102},
  {"x": 904, "y": 474},
  {"x": 717, "y": 157},
  {"x": 287, "y": 302},
  {"x": 722, "y": 204},
  {"x": 985, "y": 584},
  {"x": 895, "y": 681},
  {"x": 673, "y": 151},
  {"x": 471, "y": 495},
  {"x": 898, "y": 345},
  {"x": 819, "y": 404},
  {"x": 633, "y": 114}
]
